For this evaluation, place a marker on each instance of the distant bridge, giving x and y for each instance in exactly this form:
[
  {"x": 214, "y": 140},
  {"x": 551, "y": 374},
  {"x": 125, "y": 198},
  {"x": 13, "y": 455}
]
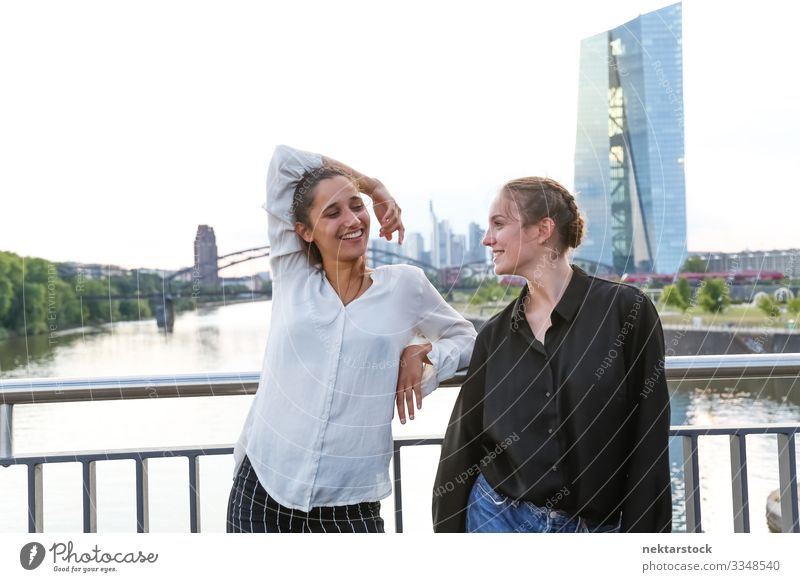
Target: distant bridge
[
  {"x": 444, "y": 278},
  {"x": 377, "y": 257}
]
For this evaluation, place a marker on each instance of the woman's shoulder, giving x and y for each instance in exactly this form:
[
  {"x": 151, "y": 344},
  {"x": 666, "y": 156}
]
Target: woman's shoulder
[
  {"x": 403, "y": 273},
  {"x": 620, "y": 297},
  {"x": 403, "y": 269},
  {"x": 618, "y": 289}
]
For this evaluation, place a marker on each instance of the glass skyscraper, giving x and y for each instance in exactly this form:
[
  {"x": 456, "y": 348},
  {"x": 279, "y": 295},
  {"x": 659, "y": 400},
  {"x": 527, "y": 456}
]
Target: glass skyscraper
[{"x": 629, "y": 148}]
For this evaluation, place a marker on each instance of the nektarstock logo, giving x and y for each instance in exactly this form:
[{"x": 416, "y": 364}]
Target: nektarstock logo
[{"x": 31, "y": 555}]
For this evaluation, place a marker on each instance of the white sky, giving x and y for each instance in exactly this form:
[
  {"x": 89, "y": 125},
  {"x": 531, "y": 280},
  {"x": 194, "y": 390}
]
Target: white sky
[{"x": 125, "y": 125}]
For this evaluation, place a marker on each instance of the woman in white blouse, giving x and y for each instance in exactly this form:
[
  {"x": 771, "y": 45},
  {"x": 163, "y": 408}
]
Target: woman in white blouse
[{"x": 344, "y": 347}]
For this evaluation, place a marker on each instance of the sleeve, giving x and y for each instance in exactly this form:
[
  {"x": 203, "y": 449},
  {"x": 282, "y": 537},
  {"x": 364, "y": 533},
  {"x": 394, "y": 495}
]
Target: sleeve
[
  {"x": 647, "y": 506},
  {"x": 461, "y": 449},
  {"x": 451, "y": 336},
  {"x": 287, "y": 249}
]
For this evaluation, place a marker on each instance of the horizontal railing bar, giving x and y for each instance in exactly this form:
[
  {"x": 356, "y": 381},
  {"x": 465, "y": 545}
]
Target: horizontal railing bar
[
  {"x": 43, "y": 390},
  {"x": 117, "y": 455},
  {"x": 734, "y": 430},
  {"x": 421, "y": 440},
  {"x": 732, "y": 366},
  {"x": 154, "y": 453},
  {"x": 128, "y": 454}
]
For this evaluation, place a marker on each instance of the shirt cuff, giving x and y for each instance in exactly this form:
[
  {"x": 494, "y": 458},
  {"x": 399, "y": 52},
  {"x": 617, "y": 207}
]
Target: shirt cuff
[{"x": 434, "y": 355}]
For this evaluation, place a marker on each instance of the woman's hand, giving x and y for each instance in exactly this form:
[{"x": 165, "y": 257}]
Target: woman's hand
[
  {"x": 409, "y": 380},
  {"x": 386, "y": 209},
  {"x": 388, "y": 213}
]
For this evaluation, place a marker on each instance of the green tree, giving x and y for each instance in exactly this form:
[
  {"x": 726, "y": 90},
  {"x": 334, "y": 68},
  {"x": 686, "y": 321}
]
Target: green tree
[
  {"x": 678, "y": 295},
  {"x": 6, "y": 296},
  {"x": 99, "y": 310},
  {"x": 769, "y": 306},
  {"x": 693, "y": 264},
  {"x": 685, "y": 290},
  {"x": 672, "y": 297},
  {"x": 29, "y": 309},
  {"x": 132, "y": 309},
  {"x": 793, "y": 306},
  {"x": 713, "y": 296},
  {"x": 66, "y": 304},
  {"x": 10, "y": 280},
  {"x": 492, "y": 291}
]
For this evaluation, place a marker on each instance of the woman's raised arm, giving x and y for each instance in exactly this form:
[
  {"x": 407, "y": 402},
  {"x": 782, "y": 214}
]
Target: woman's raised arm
[
  {"x": 386, "y": 209},
  {"x": 286, "y": 169}
]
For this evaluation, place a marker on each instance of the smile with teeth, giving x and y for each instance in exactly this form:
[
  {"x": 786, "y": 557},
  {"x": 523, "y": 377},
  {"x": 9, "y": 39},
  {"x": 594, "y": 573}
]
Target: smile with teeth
[{"x": 352, "y": 235}]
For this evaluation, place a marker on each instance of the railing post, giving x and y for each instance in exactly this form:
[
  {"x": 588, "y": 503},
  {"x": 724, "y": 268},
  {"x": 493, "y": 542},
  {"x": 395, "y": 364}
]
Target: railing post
[
  {"x": 787, "y": 469},
  {"x": 741, "y": 501},
  {"x": 142, "y": 497},
  {"x": 691, "y": 477},
  {"x": 35, "y": 499},
  {"x": 194, "y": 494},
  {"x": 89, "y": 497},
  {"x": 6, "y": 431},
  {"x": 398, "y": 493}
]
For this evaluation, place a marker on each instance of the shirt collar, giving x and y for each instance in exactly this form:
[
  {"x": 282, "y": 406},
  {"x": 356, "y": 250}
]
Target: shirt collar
[{"x": 566, "y": 307}]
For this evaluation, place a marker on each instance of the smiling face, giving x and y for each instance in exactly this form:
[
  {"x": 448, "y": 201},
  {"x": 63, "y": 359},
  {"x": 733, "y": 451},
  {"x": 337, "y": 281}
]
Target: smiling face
[
  {"x": 338, "y": 220},
  {"x": 516, "y": 248}
]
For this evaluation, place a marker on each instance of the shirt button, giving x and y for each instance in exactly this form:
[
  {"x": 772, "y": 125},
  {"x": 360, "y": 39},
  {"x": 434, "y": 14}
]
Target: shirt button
[
  {"x": 553, "y": 514},
  {"x": 555, "y": 468},
  {"x": 549, "y": 431},
  {"x": 547, "y": 394}
]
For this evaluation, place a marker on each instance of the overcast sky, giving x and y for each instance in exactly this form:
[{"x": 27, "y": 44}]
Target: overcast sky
[{"x": 125, "y": 125}]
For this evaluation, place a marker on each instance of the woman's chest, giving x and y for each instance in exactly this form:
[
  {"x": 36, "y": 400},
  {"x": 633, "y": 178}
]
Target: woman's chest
[{"x": 575, "y": 368}]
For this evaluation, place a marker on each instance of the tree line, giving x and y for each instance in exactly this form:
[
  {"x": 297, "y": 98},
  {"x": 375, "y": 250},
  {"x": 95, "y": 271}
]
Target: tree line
[{"x": 38, "y": 296}]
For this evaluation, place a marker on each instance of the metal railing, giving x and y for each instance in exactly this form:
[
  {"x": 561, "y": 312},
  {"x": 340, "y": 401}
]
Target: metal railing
[{"x": 678, "y": 369}]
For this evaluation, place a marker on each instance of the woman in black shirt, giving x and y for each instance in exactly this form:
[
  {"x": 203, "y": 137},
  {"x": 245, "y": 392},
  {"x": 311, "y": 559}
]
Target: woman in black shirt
[{"x": 562, "y": 424}]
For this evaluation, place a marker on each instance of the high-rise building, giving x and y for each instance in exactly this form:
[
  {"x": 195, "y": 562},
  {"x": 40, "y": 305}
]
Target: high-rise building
[
  {"x": 413, "y": 246},
  {"x": 629, "y": 148},
  {"x": 434, "y": 237},
  {"x": 441, "y": 244},
  {"x": 205, "y": 256},
  {"x": 458, "y": 246},
  {"x": 383, "y": 252},
  {"x": 476, "y": 252}
]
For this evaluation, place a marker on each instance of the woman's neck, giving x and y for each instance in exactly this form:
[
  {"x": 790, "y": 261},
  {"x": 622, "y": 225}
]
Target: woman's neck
[
  {"x": 547, "y": 284},
  {"x": 346, "y": 277}
]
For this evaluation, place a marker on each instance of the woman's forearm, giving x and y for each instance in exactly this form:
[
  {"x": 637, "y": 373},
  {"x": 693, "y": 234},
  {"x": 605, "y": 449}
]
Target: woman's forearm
[{"x": 367, "y": 185}]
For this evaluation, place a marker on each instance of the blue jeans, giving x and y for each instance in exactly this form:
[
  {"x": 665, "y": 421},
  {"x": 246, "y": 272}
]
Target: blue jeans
[{"x": 491, "y": 512}]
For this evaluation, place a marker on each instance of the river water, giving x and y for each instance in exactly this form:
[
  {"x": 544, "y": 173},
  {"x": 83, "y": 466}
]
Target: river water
[{"x": 232, "y": 338}]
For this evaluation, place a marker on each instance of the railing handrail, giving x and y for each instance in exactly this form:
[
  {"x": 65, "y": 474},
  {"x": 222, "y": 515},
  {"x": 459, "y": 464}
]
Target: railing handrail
[{"x": 44, "y": 390}]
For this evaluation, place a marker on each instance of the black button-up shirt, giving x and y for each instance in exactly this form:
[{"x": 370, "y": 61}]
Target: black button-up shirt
[{"x": 578, "y": 423}]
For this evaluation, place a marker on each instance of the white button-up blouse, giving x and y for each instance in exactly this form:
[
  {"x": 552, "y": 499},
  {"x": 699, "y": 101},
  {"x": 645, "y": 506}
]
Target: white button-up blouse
[{"x": 319, "y": 430}]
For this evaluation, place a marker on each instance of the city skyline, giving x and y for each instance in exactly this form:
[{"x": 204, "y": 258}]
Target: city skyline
[
  {"x": 744, "y": 260},
  {"x": 120, "y": 167}
]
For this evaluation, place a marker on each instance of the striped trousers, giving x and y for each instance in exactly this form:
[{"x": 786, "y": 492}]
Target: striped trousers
[{"x": 251, "y": 509}]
